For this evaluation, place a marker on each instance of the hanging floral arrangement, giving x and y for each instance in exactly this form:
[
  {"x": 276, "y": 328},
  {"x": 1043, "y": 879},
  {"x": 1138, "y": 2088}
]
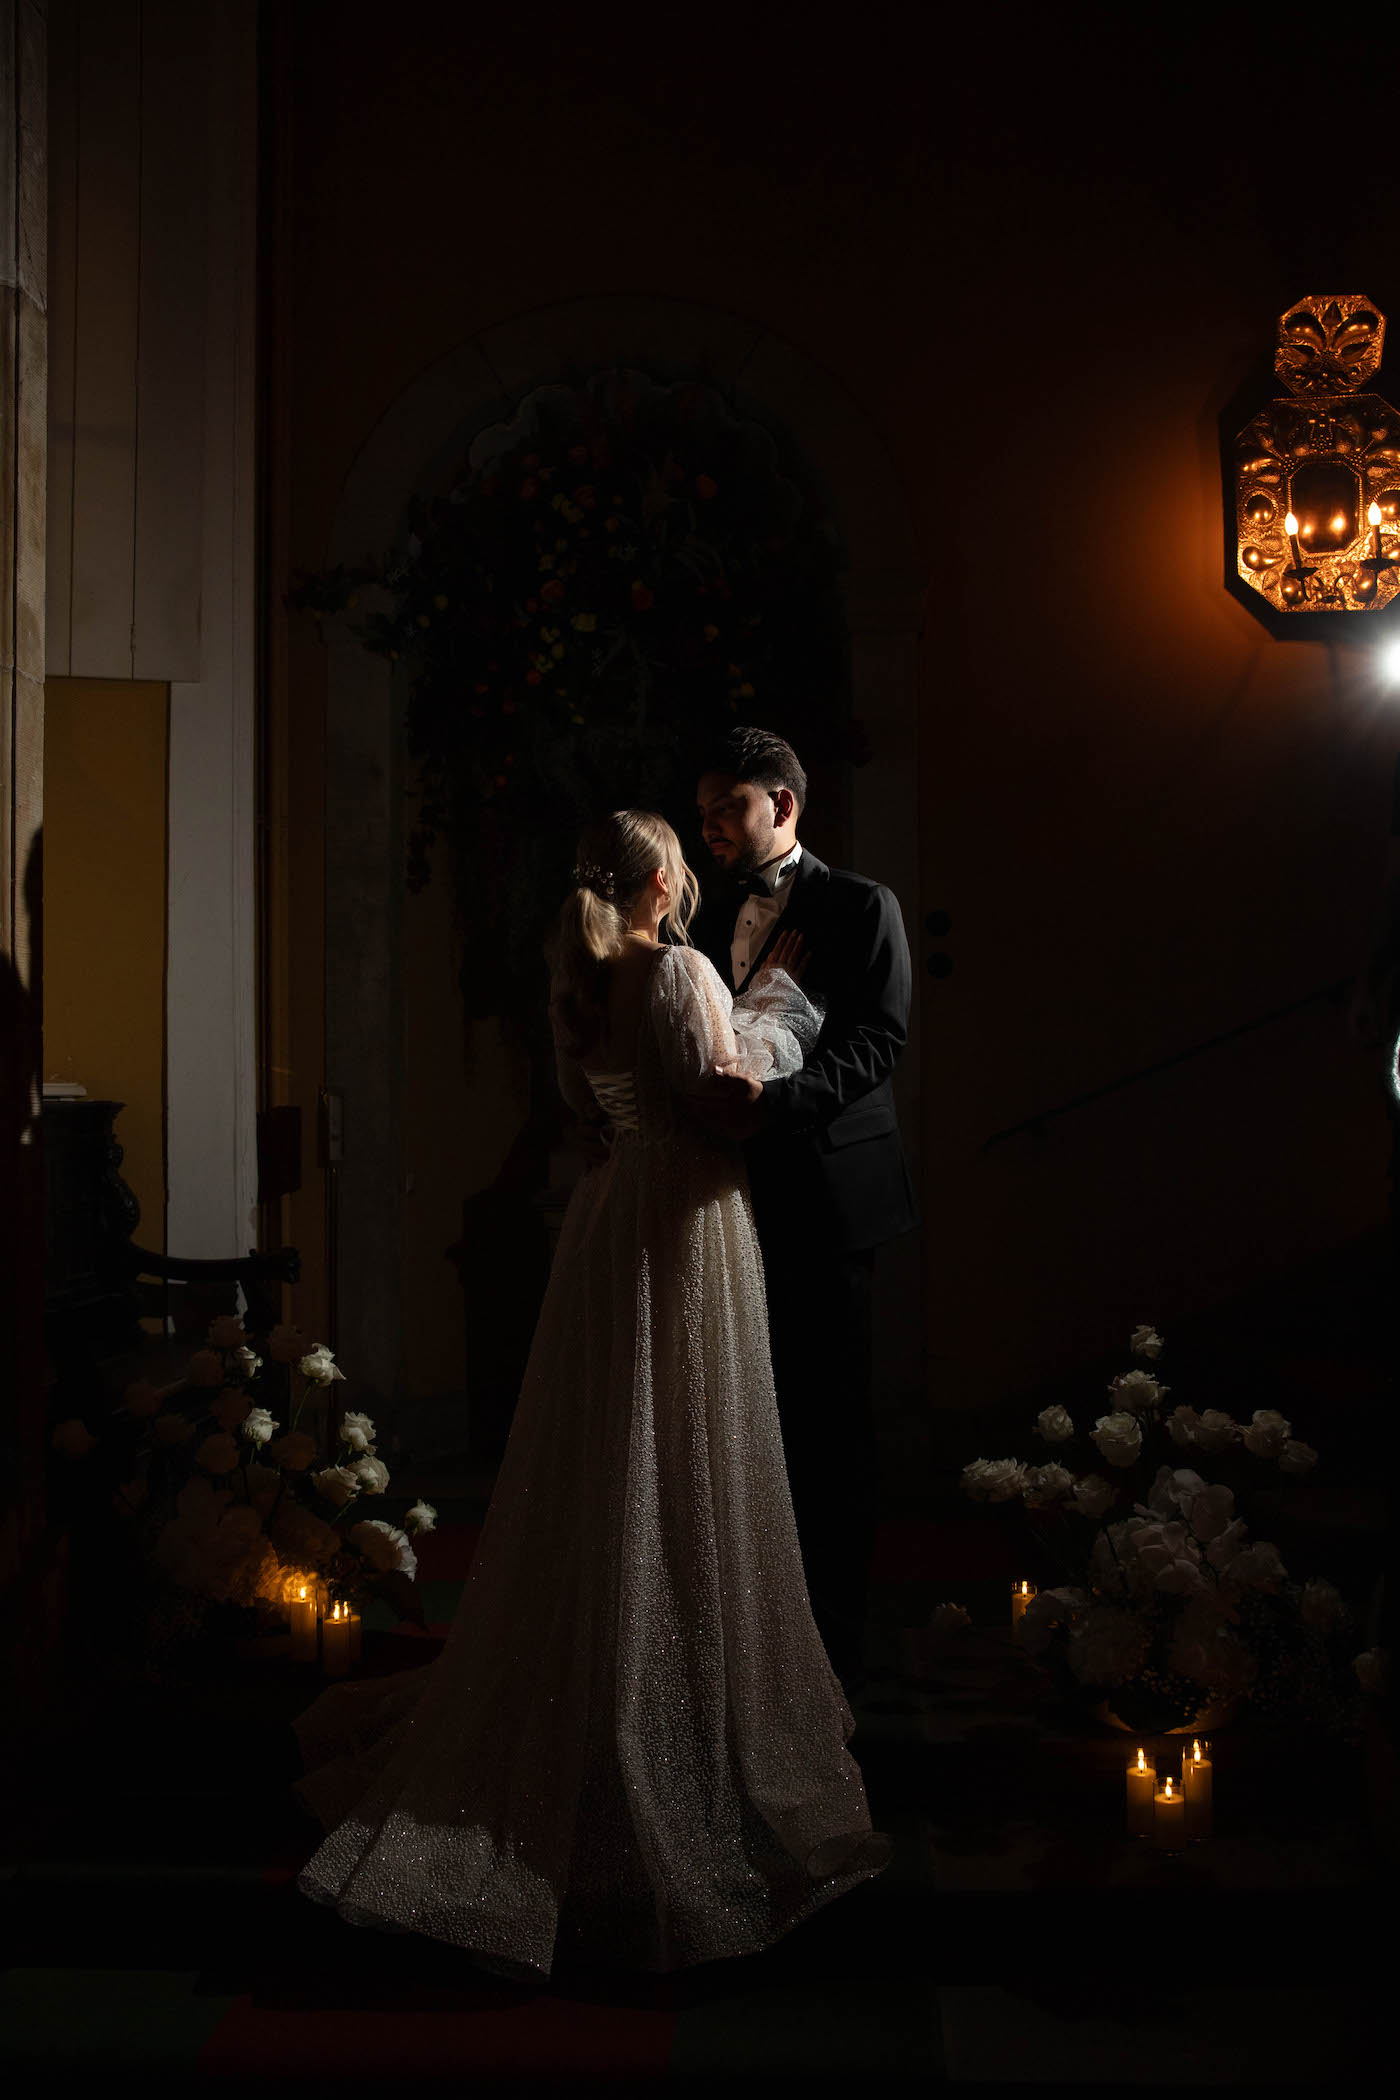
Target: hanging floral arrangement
[{"x": 614, "y": 574}]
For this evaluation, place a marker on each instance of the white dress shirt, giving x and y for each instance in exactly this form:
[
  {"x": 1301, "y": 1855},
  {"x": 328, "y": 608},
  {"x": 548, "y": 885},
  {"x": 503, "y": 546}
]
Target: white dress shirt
[{"x": 758, "y": 914}]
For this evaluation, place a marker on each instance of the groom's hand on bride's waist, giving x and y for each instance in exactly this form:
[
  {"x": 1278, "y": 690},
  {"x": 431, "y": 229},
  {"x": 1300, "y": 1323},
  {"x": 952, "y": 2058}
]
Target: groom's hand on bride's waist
[{"x": 732, "y": 1104}]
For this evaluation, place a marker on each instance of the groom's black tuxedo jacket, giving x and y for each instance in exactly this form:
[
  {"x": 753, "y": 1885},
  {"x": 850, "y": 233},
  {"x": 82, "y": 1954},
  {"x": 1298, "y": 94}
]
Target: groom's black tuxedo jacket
[{"x": 829, "y": 1164}]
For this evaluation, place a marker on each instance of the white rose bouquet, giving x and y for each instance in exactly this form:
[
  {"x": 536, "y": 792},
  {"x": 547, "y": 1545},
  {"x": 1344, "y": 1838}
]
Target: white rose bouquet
[
  {"x": 1168, "y": 1606},
  {"x": 224, "y": 1507}
]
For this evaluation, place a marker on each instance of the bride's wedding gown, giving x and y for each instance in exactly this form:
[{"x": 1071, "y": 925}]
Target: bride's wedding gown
[{"x": 632, "y": 1747}]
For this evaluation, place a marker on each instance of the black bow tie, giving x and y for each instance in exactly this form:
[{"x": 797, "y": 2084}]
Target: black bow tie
[{"x": 756, "y": 887}]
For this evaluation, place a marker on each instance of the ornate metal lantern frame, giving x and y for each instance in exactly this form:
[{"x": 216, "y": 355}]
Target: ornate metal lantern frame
[{"x": 1316, "y": 474}]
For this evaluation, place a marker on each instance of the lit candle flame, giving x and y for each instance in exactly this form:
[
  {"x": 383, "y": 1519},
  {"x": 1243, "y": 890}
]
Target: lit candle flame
[
  {"x": 1142, "y": 1762},
  {"x": 1169, "y": 1789},
  {"x": 1290, "y": 525},
  {"x": 1373, "y": 515},
  {"x": 1195, "y": 1753},
  {"x": 1339, "y": 523}
]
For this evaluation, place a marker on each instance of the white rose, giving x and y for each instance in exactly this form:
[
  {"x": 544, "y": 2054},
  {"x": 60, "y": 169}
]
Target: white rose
[
  {"x": 1145, "y": 1341},
  {"x": 1093, "y": 1495},
  {"x": 74, "y": 1438},
  {"x": 258, "y": 1425},
  {"x": 1044, "y": 1484},
  {"x": 993, "y": 1479},
  {"x": 337, "y": 1483},
  {"x": 1216, "y": 1431},
  {"x": 1372, "y": 1669},
  {"x": 357, "y": 1431},
  {"x": 423, "y": 1517},
  {"x": 1321, "y": 1604},
  {"x": 384, "y": 1547},
  {"x": 246, "y": 1363},
  {"x": 1211, "y": 1512},
  {"x": 1135, "y": 1391},
  {"x": 217, "y": 1454},
  {"x": 1118, "y": 1437},
  {"x": 1296, "y": 1457},
  {"x": 1054, "y": 1425},
  {"x": 1267, "y": 1434},
  {"x": 372, "y": 1474},
  {"x": 319, "y": 1365},
  {"x": 1227, "y": 1545},
  {"x": 1110, "y": 1647},
  {"x": 1181, "y": 1426},
  {"x": 294, "y": 1451}
]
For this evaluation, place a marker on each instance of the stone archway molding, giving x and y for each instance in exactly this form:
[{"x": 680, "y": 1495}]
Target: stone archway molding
[{"x": 425, "y": 430}]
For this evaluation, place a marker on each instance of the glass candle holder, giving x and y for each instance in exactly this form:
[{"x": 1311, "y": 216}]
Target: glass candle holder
[
  {"x": 1140, "y": 1779},
  {"x": 1198, "y": 1785},
  {"x": 1021, "y": 1594},
  {"x": 1169, "y": 1816}
]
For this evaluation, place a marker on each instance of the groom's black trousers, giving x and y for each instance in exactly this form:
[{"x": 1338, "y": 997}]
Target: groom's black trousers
[{"x": 820, "y": 1331}]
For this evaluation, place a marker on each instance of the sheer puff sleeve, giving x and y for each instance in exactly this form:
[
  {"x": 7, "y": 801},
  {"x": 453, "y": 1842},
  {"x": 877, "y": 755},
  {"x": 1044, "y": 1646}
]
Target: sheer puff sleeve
[{"x": 766, "y": 1033}]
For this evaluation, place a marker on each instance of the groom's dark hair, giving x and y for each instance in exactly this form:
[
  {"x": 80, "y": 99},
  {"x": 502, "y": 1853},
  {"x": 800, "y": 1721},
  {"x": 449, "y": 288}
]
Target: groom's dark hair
[{"x": 758, "y": 756}]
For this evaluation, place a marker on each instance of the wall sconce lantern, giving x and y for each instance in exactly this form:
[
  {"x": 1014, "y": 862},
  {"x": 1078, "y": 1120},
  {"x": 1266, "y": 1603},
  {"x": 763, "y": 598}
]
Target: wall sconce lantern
[{"x": 1317, "y": 472}]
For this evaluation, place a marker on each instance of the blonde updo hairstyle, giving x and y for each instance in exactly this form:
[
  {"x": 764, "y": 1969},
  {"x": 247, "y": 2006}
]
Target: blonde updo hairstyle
[{"x": 615, "y": 859}]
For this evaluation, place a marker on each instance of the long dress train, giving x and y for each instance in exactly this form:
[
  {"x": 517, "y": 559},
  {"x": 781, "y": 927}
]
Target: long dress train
[{"x": 632, "y": 1747}]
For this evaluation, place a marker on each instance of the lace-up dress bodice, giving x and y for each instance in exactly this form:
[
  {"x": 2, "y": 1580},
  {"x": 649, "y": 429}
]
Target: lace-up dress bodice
[{"x": 616, "y": 1095}]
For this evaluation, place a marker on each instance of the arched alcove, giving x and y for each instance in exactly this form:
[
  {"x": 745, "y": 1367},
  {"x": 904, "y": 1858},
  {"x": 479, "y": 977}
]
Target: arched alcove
[{"x": 429, "y": 426}]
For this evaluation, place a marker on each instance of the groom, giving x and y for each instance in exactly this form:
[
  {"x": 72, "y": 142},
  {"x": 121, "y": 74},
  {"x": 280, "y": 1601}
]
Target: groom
[{"x": 827, "y": 1170}]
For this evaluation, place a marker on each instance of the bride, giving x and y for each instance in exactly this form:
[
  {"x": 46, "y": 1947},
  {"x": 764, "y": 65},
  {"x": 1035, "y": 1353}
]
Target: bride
[{"x": 632, "y": 1747}]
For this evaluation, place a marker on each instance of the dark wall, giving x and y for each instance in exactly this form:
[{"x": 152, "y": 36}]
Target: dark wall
[{"x": 1042, "y": 265}]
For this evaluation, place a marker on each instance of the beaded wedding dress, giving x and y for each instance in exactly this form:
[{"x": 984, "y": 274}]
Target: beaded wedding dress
[{"x": 632, "y": 1747}]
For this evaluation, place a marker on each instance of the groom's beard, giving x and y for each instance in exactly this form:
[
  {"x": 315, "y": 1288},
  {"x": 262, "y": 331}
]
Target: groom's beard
[{"x": 755, "y": 855}]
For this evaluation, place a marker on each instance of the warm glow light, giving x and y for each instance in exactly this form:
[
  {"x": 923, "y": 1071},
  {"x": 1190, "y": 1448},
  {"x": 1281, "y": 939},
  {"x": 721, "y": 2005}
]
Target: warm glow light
[
  {"x": 1290, "y": 525},
  {"x": 1390, "y": 663},
  {"x": 1373, "y": 515},
  {"x": 1339, "y": 523}
]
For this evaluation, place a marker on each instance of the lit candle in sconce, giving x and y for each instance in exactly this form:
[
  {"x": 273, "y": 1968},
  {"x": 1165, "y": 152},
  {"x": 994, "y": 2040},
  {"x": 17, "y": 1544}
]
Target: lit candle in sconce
[
  {"x": 1373, "y": 519},
  {"x": 301, "y": 1609},
  {"x": 1141, "y": 1776},
  {"x": 1198, "y": 1786},
  {"x": 1168, "y": 1817},
  {"x": 335, "y": 1641},
  {"x": 1021, "y": 1595},
  {"x": 1290, "y": 526}
]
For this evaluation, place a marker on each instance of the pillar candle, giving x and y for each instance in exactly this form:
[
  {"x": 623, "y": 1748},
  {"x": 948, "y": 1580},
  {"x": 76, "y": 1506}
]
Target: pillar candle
[
  {"x": 1141, "y": 1777},
  {"x": 301, "y": 1610},
  {"x": 1168, "y": 1814},
  {"x": 1021, "y": 1595},
  {"x": 1198, "y": 1784},
  {"x": 335, "y": 1642},
  {"x": 356, "y": 1637}
]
